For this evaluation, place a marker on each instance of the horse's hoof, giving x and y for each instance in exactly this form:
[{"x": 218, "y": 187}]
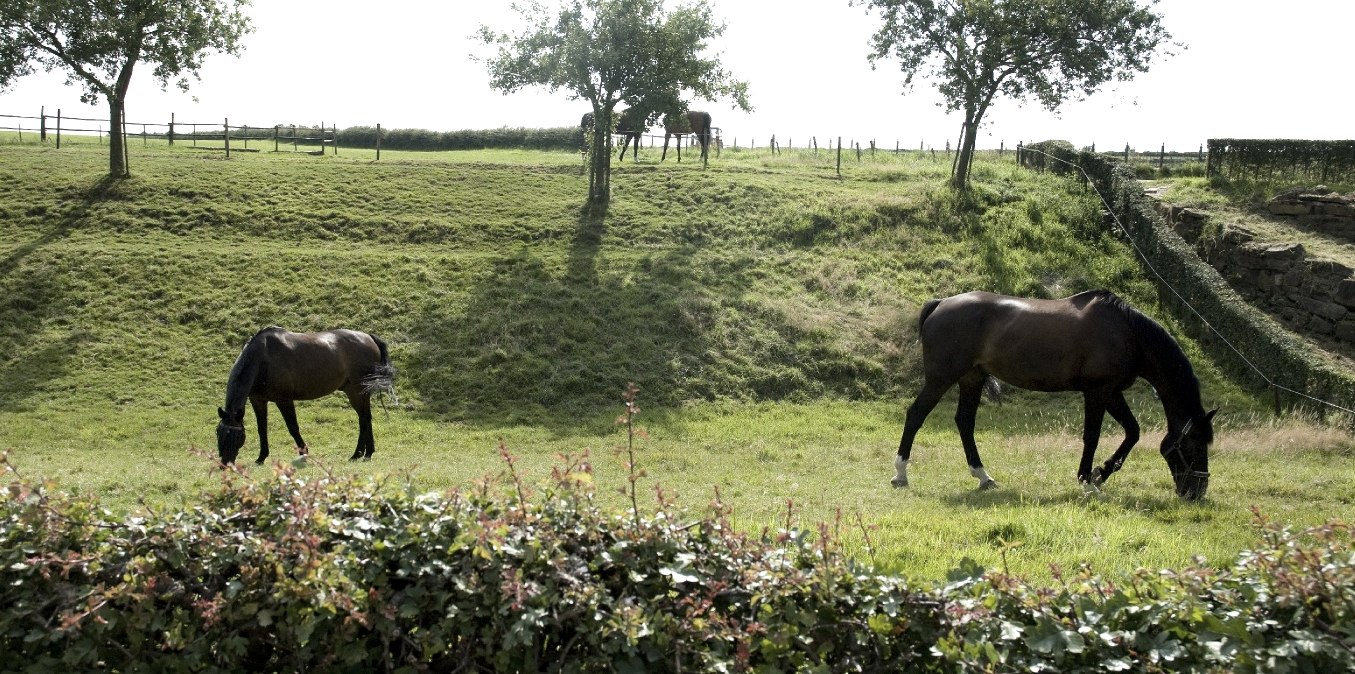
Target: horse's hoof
[
  {"x": 987, "y": 484},
  {"x": 365, "y": 459},
  {"x": 899, "y": 484},
  {"x": 1090, "y": 488},
  {"x": 1098, "y": 477}
]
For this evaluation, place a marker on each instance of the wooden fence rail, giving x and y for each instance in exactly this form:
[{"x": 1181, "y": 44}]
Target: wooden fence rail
[{"x": 209, "y": 133}]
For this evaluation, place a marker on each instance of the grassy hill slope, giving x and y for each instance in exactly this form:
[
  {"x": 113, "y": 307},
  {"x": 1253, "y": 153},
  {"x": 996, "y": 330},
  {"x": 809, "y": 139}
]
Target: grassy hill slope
[{"x": 766, "y": 307}]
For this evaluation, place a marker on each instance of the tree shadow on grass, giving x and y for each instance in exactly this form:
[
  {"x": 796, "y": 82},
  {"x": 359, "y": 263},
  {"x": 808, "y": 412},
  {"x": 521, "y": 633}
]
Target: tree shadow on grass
[
  {"x": 552, "y": 336},
  {"x": 33, "y": 348}
]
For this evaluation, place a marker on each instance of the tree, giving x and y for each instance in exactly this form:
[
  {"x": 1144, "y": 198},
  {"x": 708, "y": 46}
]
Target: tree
[
  {"x": 1051, "y": 50},
  {"x": 609, "y": 52},
  {"x": 99, "y": 43}
]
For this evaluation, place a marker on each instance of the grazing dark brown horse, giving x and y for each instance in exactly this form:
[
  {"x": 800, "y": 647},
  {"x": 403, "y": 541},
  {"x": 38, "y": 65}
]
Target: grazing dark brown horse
[
  {"x": 281, "y": 367},
  {"x": 694, "y": 122},
  {"x": 629, "y": 125},
  {"x": 1092, "y": 342}
]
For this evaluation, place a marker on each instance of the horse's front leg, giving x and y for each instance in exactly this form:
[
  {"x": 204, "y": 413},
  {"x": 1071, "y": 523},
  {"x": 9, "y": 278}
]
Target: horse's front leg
[
  {"x": 1120, "y": 412},
  {"x": 288, "y": 410},
  {"x": 966, "y": 415},
  {"x": 261, "y": 420}
]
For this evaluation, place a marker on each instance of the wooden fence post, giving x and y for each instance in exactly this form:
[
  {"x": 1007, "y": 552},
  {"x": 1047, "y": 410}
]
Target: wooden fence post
[
  {"x": 1126, "y": 153},
  {"x": 334, "y": 135},
  {"x": 1162, "y": 157},
  {"x": 858, "y": 152},
  {"x": 244, "y": 130},
  {"x": 839, "y": 156},
  {"x": 58, "y": 128},
  {"x": 227, "y": 124},
  {"x": 276, "y": 129},
  {"x": 171, "y": 129},
  {"x": 42, "y": 124},
  {"x": 293, "y": 138},
  {"x": 378, "y": 142}
]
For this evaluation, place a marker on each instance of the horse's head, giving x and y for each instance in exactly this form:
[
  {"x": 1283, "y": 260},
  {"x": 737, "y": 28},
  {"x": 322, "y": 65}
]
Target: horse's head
[
  {"x": 230, "y": 434},
  {"x": 1187, "y": 455}
]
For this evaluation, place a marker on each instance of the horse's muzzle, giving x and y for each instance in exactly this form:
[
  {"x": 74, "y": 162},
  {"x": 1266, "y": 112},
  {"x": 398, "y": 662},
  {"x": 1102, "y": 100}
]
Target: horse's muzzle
[{"x": 1192, "y": 485}]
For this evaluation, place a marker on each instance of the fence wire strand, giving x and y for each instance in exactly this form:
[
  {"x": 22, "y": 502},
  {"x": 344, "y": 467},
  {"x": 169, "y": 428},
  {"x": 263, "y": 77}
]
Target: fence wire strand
[{"x": 1163, "y": 283}]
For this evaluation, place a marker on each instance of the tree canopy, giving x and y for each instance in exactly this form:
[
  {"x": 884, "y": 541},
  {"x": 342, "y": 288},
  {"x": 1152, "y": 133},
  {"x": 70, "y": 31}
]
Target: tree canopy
[
  {"x": 609, "y": 52},
  {"x": 98, "y": 43},
  {"x": 1048, "y": 50}
]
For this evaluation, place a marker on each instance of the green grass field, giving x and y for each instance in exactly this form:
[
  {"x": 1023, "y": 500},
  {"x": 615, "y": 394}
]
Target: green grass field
[{"x": 765, "y": 306}]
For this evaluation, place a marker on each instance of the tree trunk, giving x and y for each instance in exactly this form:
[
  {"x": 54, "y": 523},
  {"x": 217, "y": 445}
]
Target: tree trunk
[
  {"x": 960, "y": 174},
  {"x": 117, "y": 166},
  {"x": 600, "y": 161}
]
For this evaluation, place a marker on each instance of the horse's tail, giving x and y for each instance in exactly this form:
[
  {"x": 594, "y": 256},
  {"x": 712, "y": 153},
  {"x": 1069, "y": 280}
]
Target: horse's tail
[
  {"x": 382, "y": 377},
  {"x": 927, "y": 310}
]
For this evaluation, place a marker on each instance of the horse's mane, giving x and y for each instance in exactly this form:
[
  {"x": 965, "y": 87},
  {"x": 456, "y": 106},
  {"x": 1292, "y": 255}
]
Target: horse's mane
[
  {"x": 1159, "y": 345},
  {"x": 246, "y": 367}
]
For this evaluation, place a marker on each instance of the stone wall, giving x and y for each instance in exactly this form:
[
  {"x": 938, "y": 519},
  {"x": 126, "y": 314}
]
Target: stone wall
[
  {"x": 1311, "y": 296},
  {"x": 1318, "y": 208}
]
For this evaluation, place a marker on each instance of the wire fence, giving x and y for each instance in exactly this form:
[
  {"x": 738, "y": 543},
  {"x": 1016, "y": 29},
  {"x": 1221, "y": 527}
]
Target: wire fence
[{"x": 207, "y": 135}]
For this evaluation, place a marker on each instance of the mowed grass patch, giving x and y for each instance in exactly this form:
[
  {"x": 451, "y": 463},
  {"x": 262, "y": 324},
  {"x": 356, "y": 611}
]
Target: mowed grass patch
[{"x": 766, "y": 307}]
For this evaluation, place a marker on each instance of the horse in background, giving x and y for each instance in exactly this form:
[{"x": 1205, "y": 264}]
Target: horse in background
[
  {"x": 1092, "y": 342},
  {"x": 630, "y": 125},
  {"x": 282, "y": 367},
  {"x": 694, "y": 122}
]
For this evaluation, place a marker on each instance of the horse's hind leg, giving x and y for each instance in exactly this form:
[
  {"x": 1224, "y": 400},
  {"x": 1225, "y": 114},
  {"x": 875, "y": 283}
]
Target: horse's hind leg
[
  {"x": 362, "y": 404},
  {"x": 966, "y": 414},
  {"x": 917, "y": 413},
  {"x": 261, "y": 420},
  {"x": 288, "y": 410}
]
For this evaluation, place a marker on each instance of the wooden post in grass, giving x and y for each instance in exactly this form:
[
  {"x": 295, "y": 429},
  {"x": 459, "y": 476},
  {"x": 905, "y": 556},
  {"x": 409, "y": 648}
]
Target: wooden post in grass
[
  {"x": 42, "y": 124},
  {"x": 276, "y": 129},
  {"x": 1162, "y": 157},
  {"x": 170, "y": 135},
  {"x": 227, "y": 124},
  {"x": 839, "y": 156},
  {"x": 378, "y": 141},
  {"x": 58, "y": 128}
]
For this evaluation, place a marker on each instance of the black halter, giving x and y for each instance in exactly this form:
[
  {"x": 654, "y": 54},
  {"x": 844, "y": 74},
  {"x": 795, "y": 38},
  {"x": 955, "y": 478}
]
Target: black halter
[{"x": 1175, "y": 448}]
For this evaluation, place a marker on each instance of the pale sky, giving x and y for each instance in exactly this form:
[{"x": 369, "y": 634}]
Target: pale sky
[{"x": 1251, "y": 69}]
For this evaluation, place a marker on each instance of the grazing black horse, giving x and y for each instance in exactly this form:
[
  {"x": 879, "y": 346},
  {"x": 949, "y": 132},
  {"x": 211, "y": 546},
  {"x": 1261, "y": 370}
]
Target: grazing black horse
[
  {"x": 1092, "y": 342},
  {"x": 630, "y": 125},
  {"x": 281, "y": 367},
  {"x": 694, "y": 122}
]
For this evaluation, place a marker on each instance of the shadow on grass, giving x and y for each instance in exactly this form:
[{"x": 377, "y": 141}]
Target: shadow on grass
[
  {"x": 552, "y": 337},
  {"x": 33, "y": 351}
]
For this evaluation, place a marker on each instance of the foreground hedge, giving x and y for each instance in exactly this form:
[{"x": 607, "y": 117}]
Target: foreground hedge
[{"x": 313, "y": 573}]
